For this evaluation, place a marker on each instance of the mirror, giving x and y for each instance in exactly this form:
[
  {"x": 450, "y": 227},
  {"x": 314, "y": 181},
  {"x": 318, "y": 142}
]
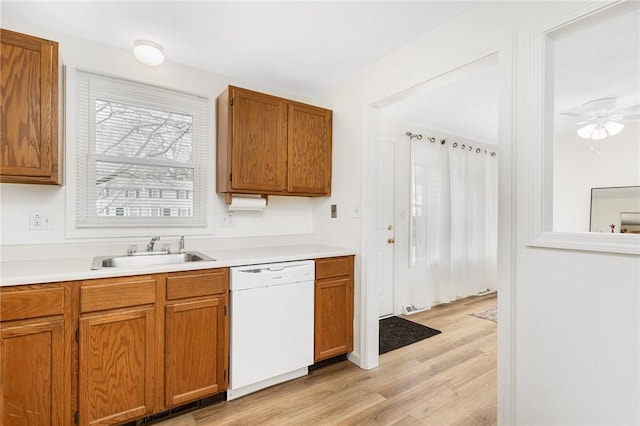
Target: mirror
[
  {"x": 596, "y": 132},
  {"x": 615, "y": 210}
]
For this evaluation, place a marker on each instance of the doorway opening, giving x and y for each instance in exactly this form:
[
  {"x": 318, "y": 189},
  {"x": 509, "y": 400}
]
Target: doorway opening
[{"x": 441, "y": 214}]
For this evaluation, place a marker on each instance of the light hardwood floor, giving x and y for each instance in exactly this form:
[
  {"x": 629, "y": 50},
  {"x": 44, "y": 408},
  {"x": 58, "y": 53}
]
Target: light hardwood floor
[{"x": 448, "y": 379}]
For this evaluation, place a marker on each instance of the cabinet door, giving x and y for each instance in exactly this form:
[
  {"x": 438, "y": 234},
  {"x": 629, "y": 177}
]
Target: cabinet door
[
  {"x": 309, "y": 145},
  {"x": 116, "y": 366},
  {"x": 259, "y": 142},
  {"x": 333, "y": 317},
  {"x": 31, "y": 372},
  {"x": 29, "y": 109},
  {"x": 196, "y": 350}
]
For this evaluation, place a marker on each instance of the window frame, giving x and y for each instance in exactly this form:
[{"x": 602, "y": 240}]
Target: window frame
[{"x": 91, "y": 86}]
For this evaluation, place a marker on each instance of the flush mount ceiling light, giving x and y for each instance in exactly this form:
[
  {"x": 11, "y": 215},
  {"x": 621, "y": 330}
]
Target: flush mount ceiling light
[
  {"x": 600, "y": 118},
  {"x": 148, "y": 52}
]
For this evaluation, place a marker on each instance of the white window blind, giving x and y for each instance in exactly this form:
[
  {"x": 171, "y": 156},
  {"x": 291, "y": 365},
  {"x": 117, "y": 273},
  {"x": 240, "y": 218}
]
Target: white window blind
[{"x": 142, "y": 154}]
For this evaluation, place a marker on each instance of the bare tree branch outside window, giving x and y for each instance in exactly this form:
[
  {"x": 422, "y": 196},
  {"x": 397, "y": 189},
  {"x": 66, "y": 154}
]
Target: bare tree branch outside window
[{"x": 144, "y": 165}]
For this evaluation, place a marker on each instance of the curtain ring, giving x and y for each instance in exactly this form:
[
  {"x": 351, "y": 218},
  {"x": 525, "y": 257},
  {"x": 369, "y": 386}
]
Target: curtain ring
[
  {"x": 478, "y": 150},
  {"x": 470, "y": 147},
  {"x": 442, "y": 141},
  {"x": 432, "y": 140},
  {"x": 463, "y": 146},
  {"x": 455, "y": 144},
  {"x": 493, "y": 154}
]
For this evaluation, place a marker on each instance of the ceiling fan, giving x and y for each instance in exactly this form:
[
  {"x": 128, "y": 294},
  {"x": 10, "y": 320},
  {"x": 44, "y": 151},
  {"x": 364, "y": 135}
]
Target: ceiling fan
[{"x": 600, "y": 118}]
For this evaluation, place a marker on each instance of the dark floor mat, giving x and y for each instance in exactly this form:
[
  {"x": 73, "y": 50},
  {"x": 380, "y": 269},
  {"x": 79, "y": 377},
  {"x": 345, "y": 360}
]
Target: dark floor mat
[{"x": 396, "y": 332}]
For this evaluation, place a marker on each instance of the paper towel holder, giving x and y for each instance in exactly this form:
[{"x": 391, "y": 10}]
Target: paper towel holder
[{"x": 229, "y": 197}]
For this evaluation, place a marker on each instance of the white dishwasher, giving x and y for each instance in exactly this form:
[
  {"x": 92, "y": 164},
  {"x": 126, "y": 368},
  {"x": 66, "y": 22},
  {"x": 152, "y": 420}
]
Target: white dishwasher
[{"x": 271, "y": 325}]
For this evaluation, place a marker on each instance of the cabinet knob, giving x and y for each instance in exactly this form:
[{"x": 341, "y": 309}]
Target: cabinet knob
[{"x": 391, "y": 240}]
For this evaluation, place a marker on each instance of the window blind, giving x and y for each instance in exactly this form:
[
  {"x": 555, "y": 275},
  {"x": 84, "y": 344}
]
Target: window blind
[{"x": 142, "y": 154}]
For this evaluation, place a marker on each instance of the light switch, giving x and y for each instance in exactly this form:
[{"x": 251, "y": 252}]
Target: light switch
[{"x": 334, "y": 211}]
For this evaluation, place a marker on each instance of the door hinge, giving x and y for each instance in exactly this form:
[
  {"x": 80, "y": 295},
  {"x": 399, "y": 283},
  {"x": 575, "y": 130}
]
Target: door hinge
[
  {"x": 77, "y": 335},
  {"x": 231, "y": 101},
  {"x": 225, "y": 310},
  {"x": 76, "y": 417},
  {"x": 230, "y": 177}
]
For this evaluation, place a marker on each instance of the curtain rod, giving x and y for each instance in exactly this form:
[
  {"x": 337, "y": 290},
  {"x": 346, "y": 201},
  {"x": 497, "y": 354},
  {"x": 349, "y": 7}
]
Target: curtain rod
[{"x": 469, "y": 147}]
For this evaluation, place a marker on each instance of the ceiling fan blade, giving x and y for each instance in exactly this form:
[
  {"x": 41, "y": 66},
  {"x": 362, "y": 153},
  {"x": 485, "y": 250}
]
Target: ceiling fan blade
[{"x": 573, "y": 114}]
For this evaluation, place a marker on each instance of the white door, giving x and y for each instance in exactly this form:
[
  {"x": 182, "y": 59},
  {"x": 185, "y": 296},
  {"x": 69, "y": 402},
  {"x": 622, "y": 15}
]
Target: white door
[{"x": 386, "y": 229}]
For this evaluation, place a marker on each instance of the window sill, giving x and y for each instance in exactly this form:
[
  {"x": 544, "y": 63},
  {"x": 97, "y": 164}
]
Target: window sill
[{"x": 588, "y": 241}]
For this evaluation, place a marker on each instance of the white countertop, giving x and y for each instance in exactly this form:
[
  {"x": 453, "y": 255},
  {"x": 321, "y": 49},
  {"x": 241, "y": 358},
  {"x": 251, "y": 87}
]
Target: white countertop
[{"x": 71, "y": 269}]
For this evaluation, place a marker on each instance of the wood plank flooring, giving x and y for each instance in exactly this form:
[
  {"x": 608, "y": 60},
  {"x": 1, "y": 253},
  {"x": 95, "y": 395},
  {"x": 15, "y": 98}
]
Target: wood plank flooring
[{"x": 447, "y": 379}]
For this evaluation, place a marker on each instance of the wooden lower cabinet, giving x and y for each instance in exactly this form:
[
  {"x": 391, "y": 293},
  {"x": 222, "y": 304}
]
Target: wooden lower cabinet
[
  {"x": 193, "y": 346},
  {"x": 117, "y": 353},
  {"x": 333, "y": 307},
  {"x": 35, "y": 355},
  {"x": 149, "y": 343},
  {"x": 32, "y": 356}
]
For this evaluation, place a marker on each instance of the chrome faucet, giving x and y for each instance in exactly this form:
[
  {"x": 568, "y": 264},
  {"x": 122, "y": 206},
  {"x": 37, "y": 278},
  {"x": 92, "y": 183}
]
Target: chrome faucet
[
  {"x": 152, "y": 243},
  {"x": 181, "y": 247}
]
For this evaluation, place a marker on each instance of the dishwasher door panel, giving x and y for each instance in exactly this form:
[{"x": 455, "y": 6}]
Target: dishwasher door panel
[{"x": 271, "y": 332}]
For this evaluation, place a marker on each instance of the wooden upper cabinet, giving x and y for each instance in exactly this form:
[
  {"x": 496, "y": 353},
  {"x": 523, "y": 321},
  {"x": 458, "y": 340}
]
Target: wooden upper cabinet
[
  {"x": 270, "y": 145},
  {"x": 309, "y": 143},
  {"x": 29, "y": 107}
]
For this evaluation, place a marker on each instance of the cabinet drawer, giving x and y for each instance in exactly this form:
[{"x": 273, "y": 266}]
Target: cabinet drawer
[
  {"x": 24, "y": 304},
  {"x": 111, "y": 293},
  {"x": 334, "y": 267},
  {"x": 197, "y": 283}
]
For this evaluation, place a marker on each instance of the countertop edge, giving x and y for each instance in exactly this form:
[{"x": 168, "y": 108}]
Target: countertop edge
[{"x": 74, "y": 269}]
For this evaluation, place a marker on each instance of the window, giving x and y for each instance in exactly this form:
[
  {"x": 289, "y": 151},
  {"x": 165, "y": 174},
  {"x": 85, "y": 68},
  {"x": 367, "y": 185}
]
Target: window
[{"x": 138, "y": 146}]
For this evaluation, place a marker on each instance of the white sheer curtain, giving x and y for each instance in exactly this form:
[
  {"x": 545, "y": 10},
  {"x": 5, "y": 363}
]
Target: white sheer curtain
[{"x": 453, "y": 242}]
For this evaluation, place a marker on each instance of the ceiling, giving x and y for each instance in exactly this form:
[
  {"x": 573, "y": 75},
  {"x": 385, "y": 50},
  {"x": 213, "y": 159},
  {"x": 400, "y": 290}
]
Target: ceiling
[
  {"x": 466, "y": 105},
  {"x": 592, "y": 61},
  {"x": 300, "y": 47},
  {"x": 305, "y": 47}
]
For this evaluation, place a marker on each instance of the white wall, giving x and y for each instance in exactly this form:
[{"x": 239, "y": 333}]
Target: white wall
[
  {"x": 283, "y": 215},
  {"x": 614, "y": 161},
  {"x": 570, "y": 352}
]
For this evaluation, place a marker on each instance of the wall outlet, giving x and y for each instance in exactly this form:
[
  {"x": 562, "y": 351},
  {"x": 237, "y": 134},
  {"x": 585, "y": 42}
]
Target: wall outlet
[
  {"x": 334, "y": 211},
  {"x": 41, "y": 220},
  {"x": 228, "y": 219}
]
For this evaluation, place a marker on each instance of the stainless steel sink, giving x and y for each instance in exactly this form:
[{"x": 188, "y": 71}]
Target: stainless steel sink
[{"x": 147, "y": 259}]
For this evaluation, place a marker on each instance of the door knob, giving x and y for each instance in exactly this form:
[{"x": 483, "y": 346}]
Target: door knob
[{"x": 391, "y": 240}]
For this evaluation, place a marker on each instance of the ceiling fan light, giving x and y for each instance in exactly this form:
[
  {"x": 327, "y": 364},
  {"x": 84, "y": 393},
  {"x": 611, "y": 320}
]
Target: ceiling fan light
[
  {"x": 148, "y": 52},
  {"x": 599, "y": 134},
  {"x": 586, "y": 131},
  {"x": 613, "y": 128}
]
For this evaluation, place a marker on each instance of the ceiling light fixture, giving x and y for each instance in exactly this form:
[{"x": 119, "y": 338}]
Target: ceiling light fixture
[
  {"x": 600, "y": 129},
  {"x": 602, "y": 119},
  {"x": 148, "y": 52}
]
